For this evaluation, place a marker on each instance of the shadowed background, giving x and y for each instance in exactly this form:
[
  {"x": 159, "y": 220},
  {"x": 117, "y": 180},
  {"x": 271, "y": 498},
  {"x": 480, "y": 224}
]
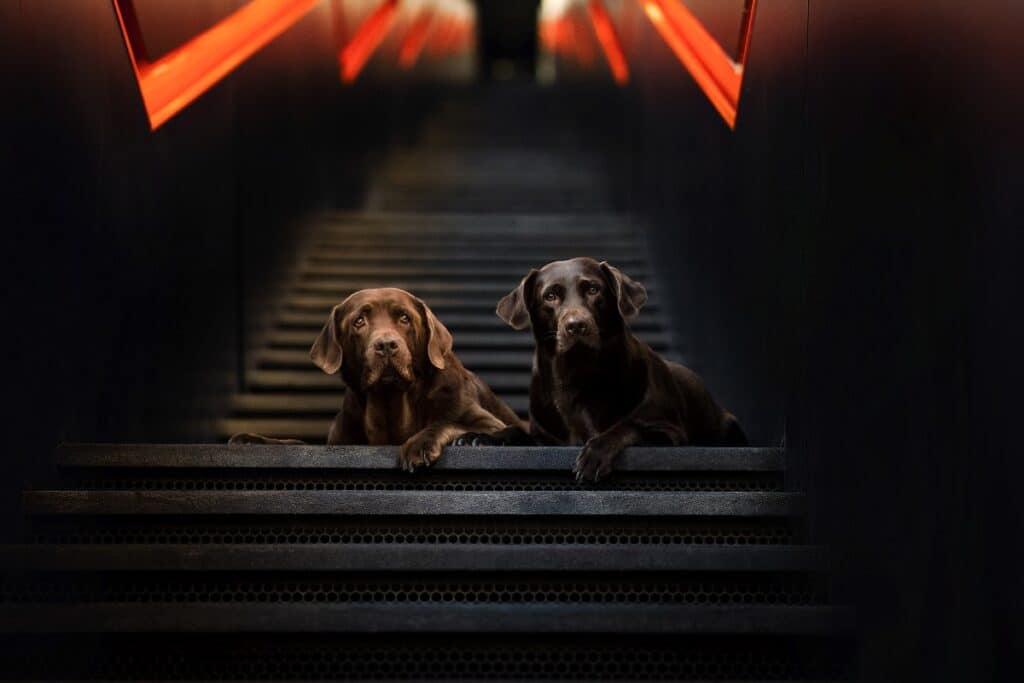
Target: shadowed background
[{"x": 843, "y": 269}]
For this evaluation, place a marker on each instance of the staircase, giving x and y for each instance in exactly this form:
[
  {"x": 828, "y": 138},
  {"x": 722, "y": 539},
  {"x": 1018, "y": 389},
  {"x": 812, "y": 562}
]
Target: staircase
[
  {"x": 460, "y": 264},
  {"x": 534, "y": 193},
  {"x": 210, "y": 562}
]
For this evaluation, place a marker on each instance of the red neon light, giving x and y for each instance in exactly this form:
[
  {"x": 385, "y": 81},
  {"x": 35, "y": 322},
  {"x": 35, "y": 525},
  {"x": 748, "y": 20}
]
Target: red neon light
[
  {"x": 746, "y": 30},
  {"x": 715, "y": 72},
  {"x": 414, "y": 40},
  {"x": 353, "y": 57},
  {"x": 174, "y": 81},
  {"x": 585, "y": 53},
  {"x": 450, "y": 36},
  {"x": 437, "y": 45},
  {"x": 609, "y": 40}
]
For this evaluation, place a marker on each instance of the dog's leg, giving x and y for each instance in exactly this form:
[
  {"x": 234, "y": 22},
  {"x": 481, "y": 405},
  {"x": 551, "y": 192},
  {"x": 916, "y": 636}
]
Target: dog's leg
[
  {"x": 733, "y": 434},
  {"x": 245, "y": 438},
  {"x": 509, "y": 436},
  {"x": 599, "y": 452},
  {"x": 424, "y": 448}
]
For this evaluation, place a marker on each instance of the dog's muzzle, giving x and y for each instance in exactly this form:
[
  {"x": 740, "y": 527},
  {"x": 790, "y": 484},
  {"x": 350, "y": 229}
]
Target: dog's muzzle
[{"x": 577, "y": 327}]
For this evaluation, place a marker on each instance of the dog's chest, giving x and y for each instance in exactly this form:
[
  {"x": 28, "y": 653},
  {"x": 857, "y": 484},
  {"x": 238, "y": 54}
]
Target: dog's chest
[
  {"x": 590, "y": 403},
  {"x": 389, "y": 420},
  {"x": 586, "y": 410}
]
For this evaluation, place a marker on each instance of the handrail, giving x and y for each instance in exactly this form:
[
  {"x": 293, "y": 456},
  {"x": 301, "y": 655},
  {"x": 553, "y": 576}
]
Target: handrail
[
  {"x": 610, "y": 43},
  {"x": 354, "y": 55},
  {"x": 715, "y": 72},
  {"x": 415, "y": 39},
  {"x": 172, "y": 82}
]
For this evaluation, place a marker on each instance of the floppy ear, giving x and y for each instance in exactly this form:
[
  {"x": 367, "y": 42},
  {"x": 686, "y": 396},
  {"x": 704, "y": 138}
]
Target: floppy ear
[
  {"x": 326, "y": 351},
  {"x": 514, "y": 308},
  {"x": 630, "y": 294},
  {"x": 439, "y": 339}
]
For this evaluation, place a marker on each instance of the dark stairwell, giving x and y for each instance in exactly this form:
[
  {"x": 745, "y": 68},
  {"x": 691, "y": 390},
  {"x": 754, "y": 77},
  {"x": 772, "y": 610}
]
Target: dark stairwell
[
  {"x": 842, "y": 268},
  {"x": 303, "y": 563}
]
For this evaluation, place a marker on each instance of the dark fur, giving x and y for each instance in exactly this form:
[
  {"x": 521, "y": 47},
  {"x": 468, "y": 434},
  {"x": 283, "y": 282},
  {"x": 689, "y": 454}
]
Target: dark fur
[
  {"x": 594, "y": 382},
  {"x": 403, "y": 383}
]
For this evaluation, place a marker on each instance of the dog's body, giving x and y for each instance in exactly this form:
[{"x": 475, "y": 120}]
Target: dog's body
[
  {"x": 404, "y": 385},
  {"x": 594, "y": 382}
]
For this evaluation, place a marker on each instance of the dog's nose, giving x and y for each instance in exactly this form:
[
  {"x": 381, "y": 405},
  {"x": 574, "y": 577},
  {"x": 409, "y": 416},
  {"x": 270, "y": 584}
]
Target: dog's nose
[
  {"x": 576, "y": 326},
  {"x": 386, "y": 346}
]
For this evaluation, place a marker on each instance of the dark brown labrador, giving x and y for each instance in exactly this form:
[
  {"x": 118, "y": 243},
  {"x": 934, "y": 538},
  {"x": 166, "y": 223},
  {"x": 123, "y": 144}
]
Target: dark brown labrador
[
  {"x": 403, "y": 383},
  {"x": 594, "y": 382}
]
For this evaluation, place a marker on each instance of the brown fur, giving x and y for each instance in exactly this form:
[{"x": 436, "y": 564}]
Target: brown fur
[
  {"x": 404, "y": 385},
  {"x": 594, "y": 382}
]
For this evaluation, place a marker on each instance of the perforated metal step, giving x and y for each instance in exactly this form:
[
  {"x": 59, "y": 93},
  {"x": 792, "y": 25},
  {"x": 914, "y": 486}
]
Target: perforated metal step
[{"x": 701, "y": 545}]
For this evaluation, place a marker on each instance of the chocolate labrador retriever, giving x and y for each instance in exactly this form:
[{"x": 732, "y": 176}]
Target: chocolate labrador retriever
[
  {"x": 403, "y": 383},
  {"x": 595, "y": 383}
]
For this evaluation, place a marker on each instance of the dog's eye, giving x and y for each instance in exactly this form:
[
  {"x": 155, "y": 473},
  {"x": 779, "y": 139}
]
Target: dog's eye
[
  {"x": 359, "y": 322},
  {"x": 404, "y": 319},
  {"x": 550, "y": 296},
  {"x": 593, "y": 290}
]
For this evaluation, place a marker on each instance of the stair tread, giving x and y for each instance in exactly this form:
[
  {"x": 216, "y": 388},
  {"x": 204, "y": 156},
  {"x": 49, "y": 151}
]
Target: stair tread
[
  {"x": 503, "y": 340},
  {"x": 442, "y": 305},
  {"x": 416, "y": 618},
  {"x": 319, "y": 403},
  {"x": 426, "y": 287},
  {"x": 455, "y": 322},
  {"x": 419, "y": 557},
  {"x": 314, "y": 378},
  {"x": 637, "y": 459},
  {"x": 415, "y": 503}
]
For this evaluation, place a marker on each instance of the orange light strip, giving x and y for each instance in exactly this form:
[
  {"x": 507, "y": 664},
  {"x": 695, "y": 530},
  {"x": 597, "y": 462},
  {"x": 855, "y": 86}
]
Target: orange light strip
[
  {"x": 715, "y": 72},
  {"x": 609, "y": 40},
  {"x": 415, "y": 39},
  {"x": 353, "y": 57},
  {"x": 746, "y": 31},
  {"x": 437, "y": 45},
  {"x": 450, "y": 36},
  {"x": 585, "y": 52},
  {"x": 175, "y": 80}
]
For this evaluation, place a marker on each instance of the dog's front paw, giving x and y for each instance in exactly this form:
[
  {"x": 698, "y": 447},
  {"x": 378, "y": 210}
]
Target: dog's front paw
[
  {"x": 478, "y": 439},
  {"x": 419, "y": 451},
  {"x": 595, "y": 461},
  {"x": 245, "y": 438},
  {"x": 509, "y": 436}
]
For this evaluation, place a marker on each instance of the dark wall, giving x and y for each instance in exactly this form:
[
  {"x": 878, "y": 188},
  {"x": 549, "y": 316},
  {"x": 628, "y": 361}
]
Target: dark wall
[
  {"x": 846, "y": 264},
  {"x": 132, "y": 258}
]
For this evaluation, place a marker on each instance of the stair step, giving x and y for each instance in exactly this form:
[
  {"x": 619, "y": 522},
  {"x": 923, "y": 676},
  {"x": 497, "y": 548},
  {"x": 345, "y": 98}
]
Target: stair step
[
  {"x": 420, "y": 618},
  {"x": 522, "y": 253},
  {"x": 313, "y": 429},
  {"x": 443, "y": 259},
  {"x": 474, "y": 360},
  {"x": 522, "y": 361},
  {"x": 477, "y": 341},
  {"x": 345, "y": 286},
  {"x": 538, "y": 246},
  {"x": 442, "y": 305},
  {"x": 420, "y": 557},
  {"x": 455, "y": 322},
  {"x": 416, "y": 503},
  {"x": 539, "y": 458},
  {"x": 360, "y": 221},
  {"x": 315, "y": 380},
  {"x": 323, "y": 404},
  {"x": 481, "y": 271}
]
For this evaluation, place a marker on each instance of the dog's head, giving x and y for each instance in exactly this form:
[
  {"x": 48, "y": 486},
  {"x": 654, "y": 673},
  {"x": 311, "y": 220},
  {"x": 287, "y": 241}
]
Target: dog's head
[
  {"x": 573, "y": 304},
  {"x": 381, "y": 338}
]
